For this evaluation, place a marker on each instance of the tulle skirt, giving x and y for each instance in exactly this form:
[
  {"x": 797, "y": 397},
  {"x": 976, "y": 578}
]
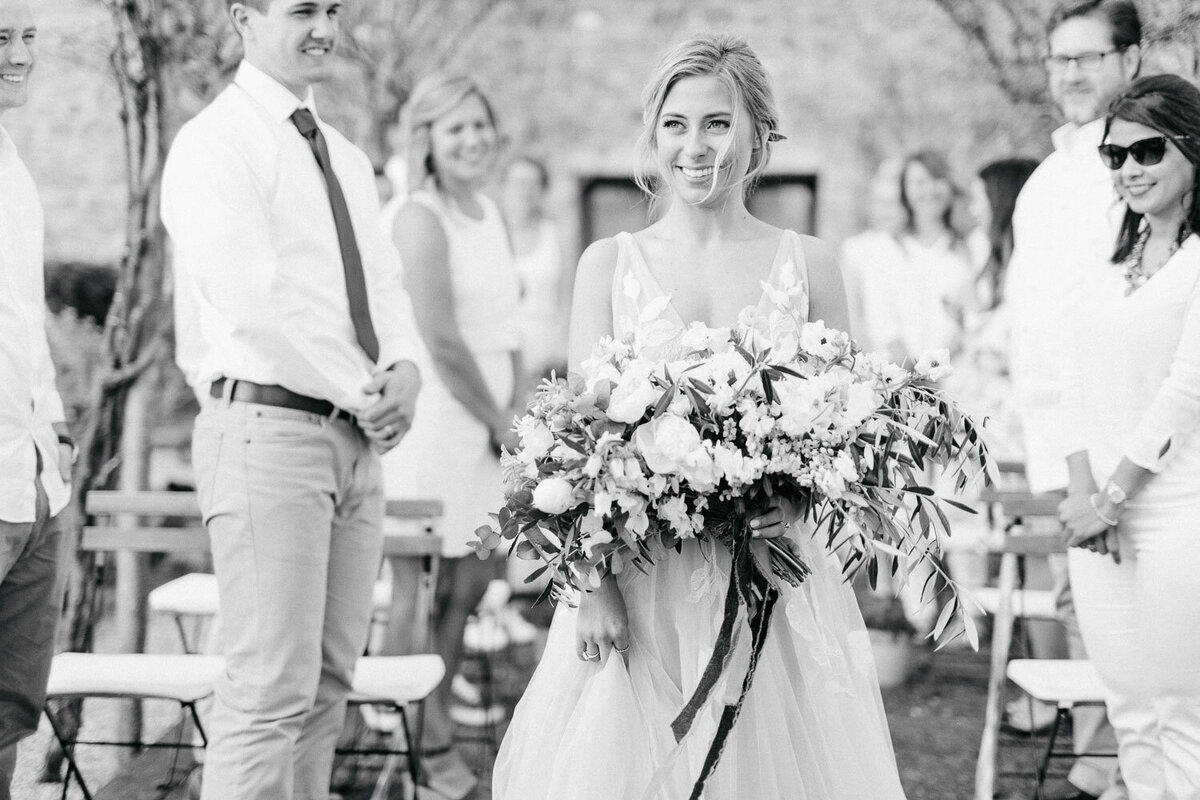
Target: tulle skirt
[{"x": 812, "y": 726}]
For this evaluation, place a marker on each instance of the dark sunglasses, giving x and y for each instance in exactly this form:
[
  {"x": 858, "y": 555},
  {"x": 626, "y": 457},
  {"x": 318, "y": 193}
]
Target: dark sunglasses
[{"x": 1146, "y": 152}]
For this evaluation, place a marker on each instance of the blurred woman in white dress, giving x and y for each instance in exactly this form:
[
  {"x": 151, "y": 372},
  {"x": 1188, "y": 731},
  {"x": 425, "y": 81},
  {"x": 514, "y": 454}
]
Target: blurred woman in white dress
[
  {"x": 540, "y": 264},
  {"x": 1133, "y": 396},
  {"x": 595, "y": 721},
  {"x": 459, "y": 271},
  {"x": 912, "y": 293}
]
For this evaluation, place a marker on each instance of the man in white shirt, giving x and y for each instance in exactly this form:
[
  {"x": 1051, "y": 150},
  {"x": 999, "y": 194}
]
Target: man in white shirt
[
  {"x": 35, "y": 450},
  {"x": 1064, "y": 226},
  {"x": 293, "y": 327}
]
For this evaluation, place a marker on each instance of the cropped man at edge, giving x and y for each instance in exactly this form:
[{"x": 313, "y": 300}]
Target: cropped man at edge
[{"x": 293, "y": 326}]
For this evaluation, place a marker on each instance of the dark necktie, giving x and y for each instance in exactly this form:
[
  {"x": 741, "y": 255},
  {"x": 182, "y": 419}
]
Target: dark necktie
[{"x": 356, "y": 284}]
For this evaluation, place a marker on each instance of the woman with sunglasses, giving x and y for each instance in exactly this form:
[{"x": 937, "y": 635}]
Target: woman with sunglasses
[{"x": 1133, "y": 389}]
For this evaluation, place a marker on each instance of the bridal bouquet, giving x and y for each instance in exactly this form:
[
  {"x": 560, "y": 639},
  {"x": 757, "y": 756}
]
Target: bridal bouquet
[{"x": 672, "y": 434}]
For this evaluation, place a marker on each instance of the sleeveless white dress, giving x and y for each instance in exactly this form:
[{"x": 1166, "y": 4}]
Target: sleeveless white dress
[
  {"x": 813, "y": 724},
  {"x": 447, "y": 454}
]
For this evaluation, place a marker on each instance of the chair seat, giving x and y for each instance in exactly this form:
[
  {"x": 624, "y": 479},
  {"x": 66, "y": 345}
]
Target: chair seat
[
  {"x": 183, "y": 678},
  {"x": 1062, "y": 682},
  {"x": 1026, "y": 603},
  {"x": 396, "y": 679},
  {"x": 194, "y": 594}
]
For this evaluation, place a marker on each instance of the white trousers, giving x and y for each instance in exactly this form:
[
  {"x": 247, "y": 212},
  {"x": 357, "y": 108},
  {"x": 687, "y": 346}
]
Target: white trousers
[
  {"x": 1140, "y": 621},
  {"x": 294, "y": 507}
]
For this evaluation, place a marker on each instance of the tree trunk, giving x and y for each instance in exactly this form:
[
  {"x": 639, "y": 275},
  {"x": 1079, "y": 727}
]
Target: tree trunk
[{"x": 135, "y": 330}]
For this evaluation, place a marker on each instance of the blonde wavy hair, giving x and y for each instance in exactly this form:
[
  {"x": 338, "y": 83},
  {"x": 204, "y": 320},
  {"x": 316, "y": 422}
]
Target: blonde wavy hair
[
  {"x": 731, "y": 61},
  {"x": 433, "y": 97}
]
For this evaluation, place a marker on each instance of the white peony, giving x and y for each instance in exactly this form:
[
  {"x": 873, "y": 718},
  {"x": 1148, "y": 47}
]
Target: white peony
[
  {"x": 633, "y": 394},
  {"x": 665, "y": 442},
  {"x": 553, "y": 496}
]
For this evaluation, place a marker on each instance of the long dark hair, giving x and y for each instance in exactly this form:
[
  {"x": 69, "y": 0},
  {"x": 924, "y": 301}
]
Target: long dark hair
[
  {"x": 1170, "y": 105},
  {"x": 937, "y": 167},
  {"x": 1002, "y": 182}
]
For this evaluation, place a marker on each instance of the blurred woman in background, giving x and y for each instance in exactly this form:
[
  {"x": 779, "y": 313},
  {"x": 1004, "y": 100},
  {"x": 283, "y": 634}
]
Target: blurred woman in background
[
  {"x": 914, "y": 293},
  {"x": 538, "y": 255},
  {"x": 1132, "y": 387},
  {"x": 458, "y": 269}
]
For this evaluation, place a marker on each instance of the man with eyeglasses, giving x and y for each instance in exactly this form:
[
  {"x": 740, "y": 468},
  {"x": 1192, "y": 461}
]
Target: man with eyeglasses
[{"x": 1064, "y": 225}]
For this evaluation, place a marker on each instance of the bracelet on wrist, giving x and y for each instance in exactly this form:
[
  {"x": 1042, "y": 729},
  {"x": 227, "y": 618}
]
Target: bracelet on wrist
[{"x": 1099, "y": 513}]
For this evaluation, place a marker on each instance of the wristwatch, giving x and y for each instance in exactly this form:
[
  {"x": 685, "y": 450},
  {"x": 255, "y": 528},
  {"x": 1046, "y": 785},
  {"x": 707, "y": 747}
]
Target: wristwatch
[{"x": 1114, "y": 494}]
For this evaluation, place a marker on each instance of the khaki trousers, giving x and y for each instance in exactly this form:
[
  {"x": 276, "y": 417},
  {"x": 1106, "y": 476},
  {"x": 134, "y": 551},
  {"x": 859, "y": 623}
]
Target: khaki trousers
[{"x": 294, "y": 508}]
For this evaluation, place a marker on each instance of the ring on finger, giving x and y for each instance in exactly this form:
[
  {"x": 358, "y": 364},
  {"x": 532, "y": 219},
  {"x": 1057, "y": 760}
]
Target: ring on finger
[{"x": 624, "y": 649}]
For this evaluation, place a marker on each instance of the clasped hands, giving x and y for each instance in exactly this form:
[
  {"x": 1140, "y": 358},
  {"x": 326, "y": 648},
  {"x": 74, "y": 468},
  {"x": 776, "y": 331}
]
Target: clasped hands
[
  {"x": 603, "y": 622},
  {"x": 1080, "y": 515},
  {"x": 388, "y": 419}
]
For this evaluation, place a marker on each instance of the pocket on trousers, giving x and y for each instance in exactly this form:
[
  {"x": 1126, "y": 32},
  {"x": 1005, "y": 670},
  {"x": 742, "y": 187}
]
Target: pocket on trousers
[
  {"x": 206, "y": 460},
  {"x": 269, "y": 425}
]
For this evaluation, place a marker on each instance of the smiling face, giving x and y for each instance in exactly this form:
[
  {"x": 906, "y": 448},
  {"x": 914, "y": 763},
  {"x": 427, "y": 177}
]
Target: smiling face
[
  {"x": 928, "y": 196},
  {"x": 1158, "y": 190},
  {"x": 701, "y": 153},
  {"x": 1083, "y": 94},
  {"x": 17, "y": 35},
  {"x": 463, "y": 143},
  {"x": 291, "y": 40}
]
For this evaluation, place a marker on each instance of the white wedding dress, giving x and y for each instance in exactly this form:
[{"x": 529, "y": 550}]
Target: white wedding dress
[{"x": 812, "y": 726}]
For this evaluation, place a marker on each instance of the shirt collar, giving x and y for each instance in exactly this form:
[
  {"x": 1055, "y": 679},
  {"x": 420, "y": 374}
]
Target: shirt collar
[
  {"x": 273, "y": 96},
  {"x": 1073, "y": 138}
]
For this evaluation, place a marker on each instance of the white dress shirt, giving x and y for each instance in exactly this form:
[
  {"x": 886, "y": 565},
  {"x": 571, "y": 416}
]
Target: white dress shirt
[
  {"x": 29, "y": 401},
  {"x": 260, "y": 288},
  {"x": 1132, "y": 378},
  {"x": 1064, "y": 230}
]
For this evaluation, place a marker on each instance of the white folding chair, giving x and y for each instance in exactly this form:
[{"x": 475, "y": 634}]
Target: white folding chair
[
  {"x": 1065, "y": 684},
  {"x": 184, "y": 679}
]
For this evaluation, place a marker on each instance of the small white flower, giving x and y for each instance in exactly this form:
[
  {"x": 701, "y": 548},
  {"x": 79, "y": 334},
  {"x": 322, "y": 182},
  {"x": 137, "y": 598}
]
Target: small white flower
[{"x": 934, "y": 365}]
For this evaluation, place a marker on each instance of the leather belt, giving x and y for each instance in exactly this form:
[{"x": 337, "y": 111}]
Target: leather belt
[{"x": 248, "y": 392}]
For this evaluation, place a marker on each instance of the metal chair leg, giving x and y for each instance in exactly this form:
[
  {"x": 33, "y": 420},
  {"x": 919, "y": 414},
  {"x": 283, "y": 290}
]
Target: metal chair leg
[
  {"x": 68, "y": 749},
  {"x": 1044, "y": 767}
]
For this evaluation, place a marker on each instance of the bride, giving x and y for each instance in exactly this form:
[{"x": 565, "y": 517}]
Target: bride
[{"x": 594, "y": 723}]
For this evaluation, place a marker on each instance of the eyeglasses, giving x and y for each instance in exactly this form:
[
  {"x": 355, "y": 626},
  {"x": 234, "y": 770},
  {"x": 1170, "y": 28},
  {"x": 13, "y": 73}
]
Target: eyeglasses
[
  {"x": 1088, "y": 62},
  {"x": 1146, "y": 152}
]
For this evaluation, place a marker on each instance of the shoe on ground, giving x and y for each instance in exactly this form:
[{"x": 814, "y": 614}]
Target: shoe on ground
[
  {"x": 477, "y": 716},
  {"x": 448, "y": 775},
  {"x": 466, "y": 691},
  {"x": 1019, "y": 719},
  {"x": 485, "y": 634},
  {"x": 519, "y": 629}
]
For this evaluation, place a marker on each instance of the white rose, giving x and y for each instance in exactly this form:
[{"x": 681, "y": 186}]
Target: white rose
[
  {"x": 554, "y": 496},
  {"x": 699, "y": 470},
  {"x": 665, "y": 441}
]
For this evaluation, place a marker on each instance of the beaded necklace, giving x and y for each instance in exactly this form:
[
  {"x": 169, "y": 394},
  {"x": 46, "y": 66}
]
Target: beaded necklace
[{"x": 1135, "y": 271}]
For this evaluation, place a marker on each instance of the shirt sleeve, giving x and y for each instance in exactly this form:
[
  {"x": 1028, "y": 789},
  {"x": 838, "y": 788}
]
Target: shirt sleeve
[
  {"x": 1175, "y": 409},
  {"x": 216, "y": 210},
  {"x": 46, "y": 398}
]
